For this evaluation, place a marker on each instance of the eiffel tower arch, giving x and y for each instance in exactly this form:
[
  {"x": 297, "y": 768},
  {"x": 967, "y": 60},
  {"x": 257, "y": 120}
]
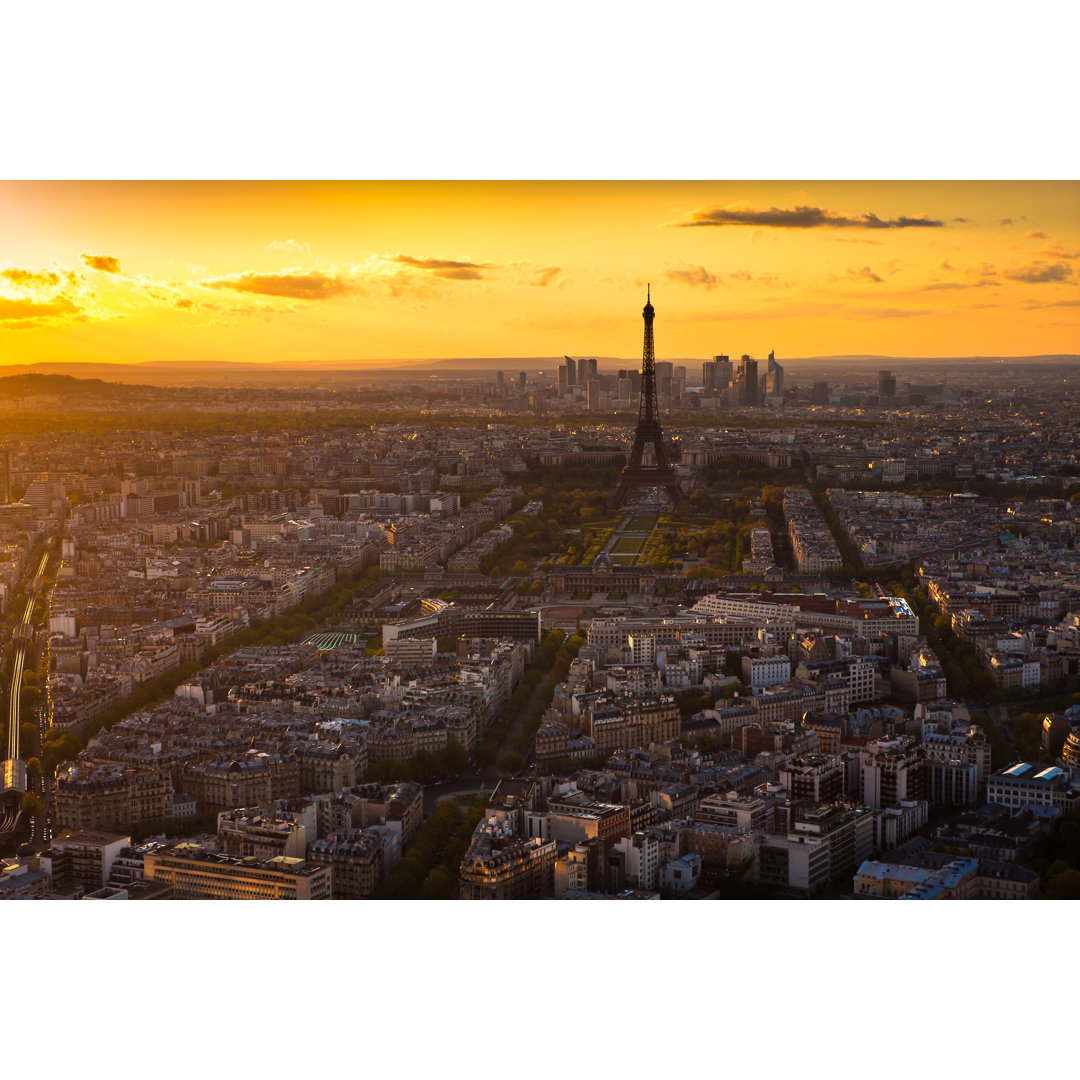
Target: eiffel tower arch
[{"x": 661, "y": 474}]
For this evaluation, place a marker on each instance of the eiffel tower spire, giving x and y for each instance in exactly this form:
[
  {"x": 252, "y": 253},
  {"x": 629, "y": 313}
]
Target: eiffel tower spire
[{"x": 662, "y": 474}]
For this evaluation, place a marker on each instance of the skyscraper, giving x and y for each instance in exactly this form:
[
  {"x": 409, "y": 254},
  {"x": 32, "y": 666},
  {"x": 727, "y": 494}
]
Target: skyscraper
[
  {"x": 724, "y": 372},
  {"x": 886, "y": 386},
  {"x": 708, "y": 376},
  {"x": 571, "y": 371},
  {"x": 749, "y": 379},
  {"x": 774, "y": 378}
]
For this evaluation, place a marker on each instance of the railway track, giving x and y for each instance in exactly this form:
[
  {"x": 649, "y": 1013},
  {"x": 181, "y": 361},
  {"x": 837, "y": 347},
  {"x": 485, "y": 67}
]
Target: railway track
[{"x": 23, "y": 636}]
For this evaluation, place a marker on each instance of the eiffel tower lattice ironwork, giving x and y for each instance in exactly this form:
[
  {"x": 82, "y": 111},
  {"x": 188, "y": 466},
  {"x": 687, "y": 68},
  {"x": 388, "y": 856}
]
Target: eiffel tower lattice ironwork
[{"x": 662, "y": 473}]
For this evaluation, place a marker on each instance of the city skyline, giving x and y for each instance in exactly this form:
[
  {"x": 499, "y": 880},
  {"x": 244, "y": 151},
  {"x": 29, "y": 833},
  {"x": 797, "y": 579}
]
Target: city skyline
[{"x": 302, "y": 272}]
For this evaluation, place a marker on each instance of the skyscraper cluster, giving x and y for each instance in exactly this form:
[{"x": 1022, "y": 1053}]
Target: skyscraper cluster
[{"x": 742, "y": 385}]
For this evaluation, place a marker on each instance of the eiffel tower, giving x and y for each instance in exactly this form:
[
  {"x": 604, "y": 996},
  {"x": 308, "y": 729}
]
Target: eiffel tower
[{"x": 662, "y": 474}]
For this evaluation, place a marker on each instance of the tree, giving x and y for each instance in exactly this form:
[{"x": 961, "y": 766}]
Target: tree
[
  {"x": 57, "y": 747},
  {"x": 1064, "y": 885},
  {"x": 33, "y": 767},
  {"x": 455, "y": 757},
  {"x": 438, "y": 885},
  {"x": 510, "y": 763},
  {"x": 31, "y": 804}
]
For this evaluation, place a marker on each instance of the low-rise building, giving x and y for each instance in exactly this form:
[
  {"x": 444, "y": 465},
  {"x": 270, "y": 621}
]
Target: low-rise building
[
  {"x": 197, "y": 874},
  {"x": 1026, "y": 784}
]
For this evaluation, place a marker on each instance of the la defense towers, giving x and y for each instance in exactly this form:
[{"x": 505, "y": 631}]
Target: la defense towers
[{"x": 662, "y": 473}]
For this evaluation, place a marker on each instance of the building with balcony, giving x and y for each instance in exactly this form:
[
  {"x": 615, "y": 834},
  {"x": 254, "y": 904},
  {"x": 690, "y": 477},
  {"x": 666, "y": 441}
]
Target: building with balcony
[{"x": 502, "y": 866}]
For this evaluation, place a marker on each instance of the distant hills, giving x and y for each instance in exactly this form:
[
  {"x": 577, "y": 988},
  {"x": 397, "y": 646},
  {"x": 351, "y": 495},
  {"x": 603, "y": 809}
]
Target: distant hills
[
  {"x": 57, "y": 385},
  {"x": 49, "y": 378}
]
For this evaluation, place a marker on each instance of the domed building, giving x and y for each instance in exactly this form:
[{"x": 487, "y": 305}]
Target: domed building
[{"x": 603, "y": 576}]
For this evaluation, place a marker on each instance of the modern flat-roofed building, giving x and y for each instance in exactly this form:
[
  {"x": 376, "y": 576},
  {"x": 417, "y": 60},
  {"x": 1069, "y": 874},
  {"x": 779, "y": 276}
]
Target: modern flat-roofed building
[
  {"x": 83, "y": 860},
  {"x": 197, "y": 874},
  {"x": 1027, "y": 784},
  {"x": 819, "y": 779},
  {"x": 19, "y": 882},
  {"x": 735, "y": 811},
  {"x": 954, "y": 782},
  {"x": 795, "y": 864},
  {"x": 891, "y": 771},
  {"x": 260, "y": 833}
]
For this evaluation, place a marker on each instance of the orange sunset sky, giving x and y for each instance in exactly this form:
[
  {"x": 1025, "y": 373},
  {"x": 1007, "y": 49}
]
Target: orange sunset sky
[{"x": 338, "y": 271}]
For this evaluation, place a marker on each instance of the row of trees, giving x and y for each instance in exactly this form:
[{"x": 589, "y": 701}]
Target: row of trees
[
  {"x": 541, "y": 701},
  {"x": 429, "y": 868},
  {"x": 527, "y": 704},
  {"x": 572, "y": 496},
  {"x": 729, "y": 470},
  {"x": 426, "y": 767},
  {"x": 723, "y": 542},
  {"x": 851, "y": 560},
  {"x": 284, "y": 629},
  {"x": 959, "y": 661},
  {"x": 493, "y": 750}
]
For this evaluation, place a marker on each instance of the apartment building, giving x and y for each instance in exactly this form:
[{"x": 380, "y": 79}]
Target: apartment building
[
  {"x": 502, "y": 866},
  {"x": 891, "y": 771}
]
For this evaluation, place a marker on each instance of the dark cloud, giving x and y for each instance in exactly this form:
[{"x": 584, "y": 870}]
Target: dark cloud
[
  {"x": 309, "y": 285},
  {"x": 864, "y": 273},
  {"x": 1040, "y": 273},
  {"x": 883, "y": 313},
  {"x": 1007, "y": 221},
  {"x": 693, "y": 275},
  {"x": 462, "y": 273},
  {"x": 1052, "y": 303},
  {"x": 802, "y": 217},
  {"x": 31, "y": 279},
  {"x": 962, "y": 220},
  {"x": 546, "y": 275},
  {"x": 1034, "y": 234},
  {"x": 1058, "y": 252},
  {"x": 439, "y": 264},
  {"x": 937, "y": 286},
  {"x": 107, "y": 263},
  {"x": 17, "y": 311}
]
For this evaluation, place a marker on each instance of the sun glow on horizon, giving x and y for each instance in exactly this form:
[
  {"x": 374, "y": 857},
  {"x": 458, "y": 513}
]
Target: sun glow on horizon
[{"x": 330, "y": 272}]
